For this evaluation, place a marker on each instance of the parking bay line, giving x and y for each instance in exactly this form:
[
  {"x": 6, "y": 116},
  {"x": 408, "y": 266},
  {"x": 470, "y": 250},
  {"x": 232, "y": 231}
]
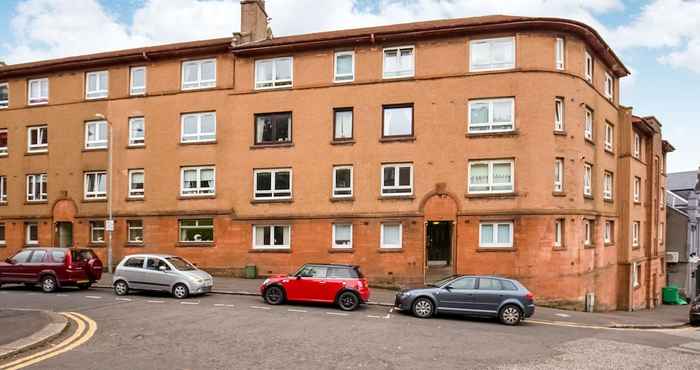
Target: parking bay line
[
  {"x": 124, "y": 299},
  {"x": 337, "y": 313},
  {"x": 260, "y": 308},
  {"x": 223, "y": 305},
  {"x": 155, "y": 301},
  {"x": 93, "y": 297},
  {"x": 189, "y": 302},
  {"x": 296, "y": 310}
]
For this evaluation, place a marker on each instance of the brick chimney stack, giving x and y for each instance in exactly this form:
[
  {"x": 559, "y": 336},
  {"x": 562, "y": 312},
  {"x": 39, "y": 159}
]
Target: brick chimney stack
[{"x": 254, "y": 22}]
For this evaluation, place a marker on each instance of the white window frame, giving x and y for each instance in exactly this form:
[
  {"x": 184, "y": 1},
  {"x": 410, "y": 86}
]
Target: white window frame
[
  {"x": 491, "y": 184},
  {"x": 336, "y": 188},
  {"x": 3, "y": 189},
  {"x": 335, "y": 123},
  {"x": 609, "y": 86},
  {"x": 609, "y": 136},
  {"x": 608, "y": 185},
  {"x": 608, "y": 232},
  {"x": 28, "y": 234},
  {"x": 95, "y": 194},
  {"x": 273, "y": 190},
  {"x": 197, "y": 191},
  {"x": 559, "y": 175},
  {"x": 559, "y": 53},
  {"x": 341, "y": 78},
  {"x": 43, "y": 131},
  {"x": 136, "y": 193},
  {"x": 637, "y": 151},
  {"x": 333, "y": 241},
  {"x": 491, "y": 67},
  {"x": 491, "y": 123},
  {"x": 133, "y": 89},
  {"x": 37, "y": 180},
  {"x": 41, "y": 99},
  {"x": 272, "y": 246},
  {"x": 199, "y": 83},
  {"x": 637, "y": 189},
  {"x": 396, "y": 186},
  {"x": 97, "y": 143},
  {"x": 588, "y": 67},
  {"x": 636, "y": 229},
  {"x": 102, "y": 91},
  {"x": 93, "y": 228},
  {"x": 587, "y": 232},
  {"x": 3, "y": 235},
  {"x": 559, "y": 114},
  {"x": 381, "y": 236},
  {"x": 136, "y": 141},
  {"x": 402, "y": 73},
  {"x": 587, "y": 179},
  {"x": 196, "y": 138},
  {"x": 635, "y": 275},
  {"x": 129, "y": 228},
  {"x": 588, "y": 124},
  {"x": 558, "y": 232},
  {"x": 494, "y": 226},
  {"x": 274, "y": 83},
  {"x": 197, "y": 226},
  {"x": 4, "y": 149},
  {"x": 5, "y": 103}
]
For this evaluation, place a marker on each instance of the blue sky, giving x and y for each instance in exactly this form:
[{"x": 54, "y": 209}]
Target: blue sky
[{"x": 659, "y": 40}]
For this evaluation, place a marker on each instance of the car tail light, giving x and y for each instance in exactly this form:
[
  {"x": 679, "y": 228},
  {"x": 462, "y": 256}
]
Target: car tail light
[{"x": 530, "y": 296}]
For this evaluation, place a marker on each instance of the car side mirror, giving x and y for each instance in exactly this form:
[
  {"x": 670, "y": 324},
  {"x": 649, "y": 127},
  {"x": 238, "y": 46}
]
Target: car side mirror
[
  {"x": 298, "y": 277},
  {"x": 448, "y": 287},
  {"x": 10, "y": 261},
  {"x": 162, "y": 268}
]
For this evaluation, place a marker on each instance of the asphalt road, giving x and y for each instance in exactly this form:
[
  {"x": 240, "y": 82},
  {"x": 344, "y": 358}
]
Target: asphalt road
[{"x": 242, "y": 332}]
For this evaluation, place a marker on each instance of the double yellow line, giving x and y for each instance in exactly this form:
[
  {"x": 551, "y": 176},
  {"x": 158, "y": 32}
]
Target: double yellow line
[{"x": 85, "y": 330}]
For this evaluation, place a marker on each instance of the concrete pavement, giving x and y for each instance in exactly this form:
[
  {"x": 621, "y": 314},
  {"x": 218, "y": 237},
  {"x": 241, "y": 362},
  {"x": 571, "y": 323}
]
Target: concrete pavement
[{"x": 24, "y": 329}]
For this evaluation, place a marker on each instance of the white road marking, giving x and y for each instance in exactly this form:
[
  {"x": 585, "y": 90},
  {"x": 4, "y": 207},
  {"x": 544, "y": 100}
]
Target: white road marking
[
  {"x": 61, "y": 295},
  {"x": 295, "y": 310},
  {"x": 155, "y": 301},
  {"x": 260, "y": 308},
  {"x": 336, "y": 314},
  {"x": 374, "y": 316},
  {"x": 189, "y": 302},
  {"x": 562, "y": 315},
  {"x": 388, "y": 315},
  {"x": 93, "y": 297},
  {"x": 124, "y": 299},
  {"x": 223, "y": 305}
]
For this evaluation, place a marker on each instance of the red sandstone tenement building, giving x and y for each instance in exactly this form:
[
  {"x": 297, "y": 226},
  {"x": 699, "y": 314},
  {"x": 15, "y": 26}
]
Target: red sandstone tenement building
[{"x": 488, "y": 145}]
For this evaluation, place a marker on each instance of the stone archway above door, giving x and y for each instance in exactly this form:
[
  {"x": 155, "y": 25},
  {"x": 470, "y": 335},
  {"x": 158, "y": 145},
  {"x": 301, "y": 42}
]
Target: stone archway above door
[
  {"x": 64, "y": 210},
  {"x": 439, "y": 204}
]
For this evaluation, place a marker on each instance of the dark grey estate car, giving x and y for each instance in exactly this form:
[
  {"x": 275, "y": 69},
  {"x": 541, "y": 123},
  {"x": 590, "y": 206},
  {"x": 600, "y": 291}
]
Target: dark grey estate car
[{"x": 484, "y": 296}]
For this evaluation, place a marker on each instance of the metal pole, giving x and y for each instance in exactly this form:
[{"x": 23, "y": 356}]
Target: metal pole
[{"x": 109, "y": 199}]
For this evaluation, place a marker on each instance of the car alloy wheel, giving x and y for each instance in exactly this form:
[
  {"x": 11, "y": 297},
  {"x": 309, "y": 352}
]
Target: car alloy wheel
[
  {"x": 48, "y": 284},
  {"x": 348, "y": 301},
  {"x": 180, "y": 291},
  {"x": 423, "y": 308},
  {"x": 510, "y": 315},
  {"x": 274, "y": 295},
  {"x": 120, "y": 288}
]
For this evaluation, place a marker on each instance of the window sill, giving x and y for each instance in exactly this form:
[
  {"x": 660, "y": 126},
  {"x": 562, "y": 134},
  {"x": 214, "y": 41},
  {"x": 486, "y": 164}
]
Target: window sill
[
  {"x": 135, "y": 199},
  {"x": 85, "y": 150},
  {"x": 396, "y": 197},
  {"x": 392, "y": 139},
  {"x": 637, "y": 203},
  {"x": 271, "y": 250},
  {"x": 390, "y": 250},
  {"x": 589, "y": 246},
  {"x": 98, "y": 98},
  {"x": 560, "y": 133},
  {"x": 609, "y": 151},
  {"x": 558, "y": 194},
  {"x": 188, "y": 143},
  {"x": 194, "y": 197},
  {"x": 137, "y": 146},
  {"x": 560, "y": 248},
  {"x": 607, "y": 200},
  {"x": 609, "y": 244},
  {"x": 29, "y": 203},
  {"x": 4, "y": 155},
  {"x": 341, "y": 250},
  {"x": 493, "y": 134},
  {"x": 636, "y": 247},
  {"x": 103, "y": 200},
  {"x": 589, "y": 197},
  {"x": 496, "y": 249},
  {"x": 134, "y": 245},
  {"x": 36, "y": 153},
  {"x": 341, "y": 199},
  {"x": 3, "y": 204},
  {"x": 589, "y": 141},
  {"x": 268, "y": 146},
  {"x": 196, "y": 88},
  {"x": 195, "y": 244},
  {"x": 343, "y": 142},
  {"x": 97, "y": 245},
  {"x": 35, "y": 245},
  {"x": 260, "y": 201},
  {"x": 492, "y": 195}
]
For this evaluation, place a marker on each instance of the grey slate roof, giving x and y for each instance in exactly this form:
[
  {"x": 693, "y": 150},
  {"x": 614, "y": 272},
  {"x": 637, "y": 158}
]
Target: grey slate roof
[{"x": 681, "y": 180}]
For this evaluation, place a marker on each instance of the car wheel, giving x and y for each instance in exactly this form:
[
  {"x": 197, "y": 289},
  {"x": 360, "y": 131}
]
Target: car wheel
[
  {"x": 510, "y": 315},
  {"x": 348, "y": 301},
  {"x": 84, "y": 286},
  {"x": 48, "y": 284},
  {"x": 121, "y": 288},
  {"x": 274, "y": 295},
  {"x": 423, "y": 308},
  {"x": 180, "y": 291}
]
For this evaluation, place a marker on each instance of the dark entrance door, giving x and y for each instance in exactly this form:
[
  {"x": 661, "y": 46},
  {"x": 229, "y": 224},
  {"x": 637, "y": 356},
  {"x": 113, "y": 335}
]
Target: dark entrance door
[
  {"x": 64, "y": 234},
  {"x": 439, "y": 243}
]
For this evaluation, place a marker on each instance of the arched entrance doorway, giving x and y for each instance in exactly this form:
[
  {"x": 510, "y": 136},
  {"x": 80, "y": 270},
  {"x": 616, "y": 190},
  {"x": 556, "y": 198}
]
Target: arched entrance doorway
[
  {"x": 63, "y": 214},
  {"x": 439, "y": 209}
]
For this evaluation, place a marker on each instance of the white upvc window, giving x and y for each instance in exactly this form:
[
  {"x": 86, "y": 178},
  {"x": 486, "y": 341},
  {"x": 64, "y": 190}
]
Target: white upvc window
[
  {"x": 397, "y": 179},
  {"x": 559, "y": 175},
  {"x": 4, "y": 95},
  {"x": 609, "y": 86},
  {"x": 272, "y": 184},
  {"x": 134, "y": 231},
  {"x": 492, "y": 115},
  {"x": 197, "y": 181},
  {"x": 588, "y": 65},
  {"x": 136, "y": 183},
  {"x": 199, "y": 230},
  {"x": 36, "y": 188},
  {"x": 342, "y": 124},
  {"x": 342, "y": 236},
  {"x": 38, "y": 139},
  {"x": 609, "y": 136},
  {"x": 399, "y": 62},
  {"x": 344, "y": 66},
  {"x": 635, "y": 233},
  {"x": 273, "y": 73},
  {"x": 559, "y": 114},
  {"x": 342, "y": 181},
  {"x": 397, "y": 120},
  {"x": 587, "y": 232},
  {"x": 637, "y": 192},
  {"x": 38, "y": 91},
  {"x": 559, "y": 233},
  {"x": 31, "y": 233},
  {"x": 96, "y": 185},
  {"x": 96, "y": 85},
  {"x": 495, "y": 235},
  {"x": 3, "y": 142},
  {"x": 3, "y": 189},
  {"x": 137, "y": 131},
  {"x": 3, "y": 238},
  {"x": 198, "y": 127},
  {"x": 587, "y": 179},
  {"x": 636, "y": 271},
  {"x": 97, "y": 232},
  {"x": 272, "y": 236},
  {"x": 137, "y": 81},
  {"x": 198, "y": 74},
  {"x": 607, "y": 185},
  {"x": 96, "y": 135},
  {"x": 391, "y": 235},
  {"x": 492, "y": 54},
  {"x": 609, "y": 232},
  {"x": 492, "y": 176},
  {"x": 637, "y": 151},
  {"x": 559, "y": 53},
  {"x": 588, "y": 124}
]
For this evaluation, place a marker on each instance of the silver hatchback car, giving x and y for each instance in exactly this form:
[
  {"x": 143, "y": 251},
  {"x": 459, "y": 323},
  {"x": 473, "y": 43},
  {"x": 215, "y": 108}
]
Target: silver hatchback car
[{"x": 160, "y": 272}]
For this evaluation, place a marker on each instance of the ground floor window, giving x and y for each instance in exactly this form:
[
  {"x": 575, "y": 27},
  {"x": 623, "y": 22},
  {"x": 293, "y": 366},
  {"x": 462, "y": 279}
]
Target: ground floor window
[
  {"x": 97, "y": 231},
  {"x": 496, "y": 235},
  {"x": 636, "y": 273},
  {"x": 31, "y": 233},
  {"x": 134, "y": 230},
  {"x": 271, "y": 236},
  {"x": 559, "y": 233},
  {"x": 2, "y": 234},
  {"x": 342, "y": 236},
  {"x": 391, "y": 235},
  {"x": 197, "y": 230}
]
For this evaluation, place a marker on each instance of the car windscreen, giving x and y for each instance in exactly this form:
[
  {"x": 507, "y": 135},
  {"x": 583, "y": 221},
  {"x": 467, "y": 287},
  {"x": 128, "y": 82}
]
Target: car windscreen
[
  {"x": 180, "y": 264},
  {"x": 441, "y": 282}
]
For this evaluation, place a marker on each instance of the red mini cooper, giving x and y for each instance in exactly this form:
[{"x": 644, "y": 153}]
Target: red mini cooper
[{"x": 343, "y": 285}]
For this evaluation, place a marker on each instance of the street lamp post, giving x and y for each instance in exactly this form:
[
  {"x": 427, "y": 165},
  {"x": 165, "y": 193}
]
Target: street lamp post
[{"x": 109, "y": 225}]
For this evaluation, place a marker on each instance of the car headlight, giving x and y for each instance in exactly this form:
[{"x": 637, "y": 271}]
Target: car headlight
[
  {"x": 198, "y": 280},
  {"x": 266, "y": 282},
  {"x": 404, "y": 294}
]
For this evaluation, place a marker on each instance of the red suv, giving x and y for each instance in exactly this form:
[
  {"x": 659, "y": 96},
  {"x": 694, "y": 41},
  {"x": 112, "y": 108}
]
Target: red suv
[
  {"x": 52, "y": 268},
  {"x": 343, "y": 285}
]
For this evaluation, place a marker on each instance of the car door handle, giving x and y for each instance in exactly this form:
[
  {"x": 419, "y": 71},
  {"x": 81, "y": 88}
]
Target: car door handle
[{"x": 321, "y": 282}]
